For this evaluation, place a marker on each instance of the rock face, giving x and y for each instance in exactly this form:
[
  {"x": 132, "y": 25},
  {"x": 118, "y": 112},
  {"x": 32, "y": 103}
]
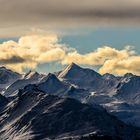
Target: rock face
[
  {"x": 130, "y": 90},
  {"x": 7, "y": 77},
  {"x": 35, "y": 115},
  {"x": 110, "y": 91},
  {"x": 3, "y": 101},
  {"x": 52, "y": 85},
  {"x": 29, "y": 78},
  {"x": 82, "y": 77}
]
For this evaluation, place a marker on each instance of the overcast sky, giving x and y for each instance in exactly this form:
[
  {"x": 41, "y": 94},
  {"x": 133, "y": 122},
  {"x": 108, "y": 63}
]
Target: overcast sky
[{"x": 19, "y": 16}]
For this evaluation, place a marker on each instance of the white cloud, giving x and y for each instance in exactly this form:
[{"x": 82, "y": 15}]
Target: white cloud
[
  {"x": 122, "y": 66},
  {"x": 32, "y": 50},
  {"x": 97, "y": 57}
]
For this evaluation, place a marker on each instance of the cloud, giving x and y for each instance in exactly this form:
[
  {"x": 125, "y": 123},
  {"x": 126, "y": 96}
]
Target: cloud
[
  {"x": 12, "y": 60},
  {"x": 31, "y": 50},
  {"x": 122, "y": 66},
  {"x": 97, "y": 57},
  {"x": 17, "y": 17},
  {"x": 109, "y": 59}
]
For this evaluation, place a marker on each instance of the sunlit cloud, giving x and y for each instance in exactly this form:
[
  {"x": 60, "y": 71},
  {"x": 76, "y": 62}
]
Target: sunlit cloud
[
  {"x": 31, "y": 50},
  {"x": 97, "y": 57},
  {"x": 122, "y": 66},
  {"x": 109, "y": 59}
]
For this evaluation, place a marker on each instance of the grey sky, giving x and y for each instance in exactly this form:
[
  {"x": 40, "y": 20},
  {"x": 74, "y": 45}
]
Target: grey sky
[{"x": 18, "y": 16}]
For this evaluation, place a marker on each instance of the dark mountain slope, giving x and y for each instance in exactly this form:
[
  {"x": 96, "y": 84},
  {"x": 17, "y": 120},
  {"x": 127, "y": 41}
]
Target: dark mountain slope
[{"x": 35, "y": 115}]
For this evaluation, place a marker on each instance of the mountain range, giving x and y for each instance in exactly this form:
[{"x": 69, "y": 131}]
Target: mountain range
[{"x": 74, "y": 103}]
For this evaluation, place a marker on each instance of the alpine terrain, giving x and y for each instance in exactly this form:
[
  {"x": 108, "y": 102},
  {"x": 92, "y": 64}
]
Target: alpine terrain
[{"x": 75, "y": 103}]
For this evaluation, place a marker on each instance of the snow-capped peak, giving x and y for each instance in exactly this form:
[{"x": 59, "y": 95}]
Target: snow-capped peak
[
  {"x": 3, "y": 68},
  {"x": 73, "y": 71},
  {"x": 31, "y": 74},
  {"x": 51, "y": 79},
  {"x": 8, "y": 76},
  {"x": 51, "y": 84},
  {"x": 108, "y": 76},
  {"x": 70, "y": 69},
  {"x": 126, "y": 78},
  {"x": 129, "y": 75}
]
